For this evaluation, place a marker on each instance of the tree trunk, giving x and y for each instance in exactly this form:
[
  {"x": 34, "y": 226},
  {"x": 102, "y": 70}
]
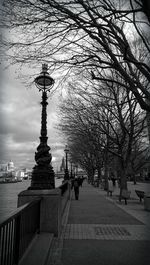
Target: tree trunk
[
  {"x": 134, "y": 179},
  {"x": 99, "y": 176},
  {"x": 106, "y": 177},
  {"x": 123, "y": 182}
]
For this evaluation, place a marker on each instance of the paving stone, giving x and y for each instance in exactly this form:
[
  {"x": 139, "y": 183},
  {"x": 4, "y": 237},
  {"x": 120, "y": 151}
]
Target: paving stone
[
  {"x": 100, "y": 231},
  {"x": 105, "y": 252}
]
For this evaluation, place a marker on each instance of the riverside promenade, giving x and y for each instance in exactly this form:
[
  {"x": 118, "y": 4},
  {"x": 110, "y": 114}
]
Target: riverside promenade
[{"x": 99, "y": 230}]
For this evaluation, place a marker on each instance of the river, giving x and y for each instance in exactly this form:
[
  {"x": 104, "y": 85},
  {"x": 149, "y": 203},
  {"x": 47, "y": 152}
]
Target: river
[{"x": 9, "y": 195}]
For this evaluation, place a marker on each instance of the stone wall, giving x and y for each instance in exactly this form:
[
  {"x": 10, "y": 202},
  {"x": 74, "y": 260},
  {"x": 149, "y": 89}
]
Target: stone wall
[{"x": 51, "y": 209}]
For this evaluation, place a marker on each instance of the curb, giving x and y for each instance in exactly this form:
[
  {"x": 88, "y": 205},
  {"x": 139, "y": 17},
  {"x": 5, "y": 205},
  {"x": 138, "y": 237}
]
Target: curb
[{"x": 55, "y": 252}]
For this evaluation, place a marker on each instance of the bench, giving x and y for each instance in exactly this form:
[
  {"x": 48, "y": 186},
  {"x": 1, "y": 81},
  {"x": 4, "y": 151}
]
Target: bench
[
  {"x": 140, "y": 194},
  {"x": 125, "y": 194}
]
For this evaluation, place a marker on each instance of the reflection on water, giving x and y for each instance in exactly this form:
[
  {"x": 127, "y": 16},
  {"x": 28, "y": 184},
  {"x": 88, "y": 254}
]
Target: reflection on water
[{"x": 9, "y": 195}]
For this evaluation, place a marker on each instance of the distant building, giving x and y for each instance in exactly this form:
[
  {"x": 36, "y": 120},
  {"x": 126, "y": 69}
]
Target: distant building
[
  {"x": 62, "y": 167},
  {"x": 7, "y": 168},
  {"x": 60, "y": 174},
  {"x": 10, "y": 166},
  {"x": 9, "y": 171}
]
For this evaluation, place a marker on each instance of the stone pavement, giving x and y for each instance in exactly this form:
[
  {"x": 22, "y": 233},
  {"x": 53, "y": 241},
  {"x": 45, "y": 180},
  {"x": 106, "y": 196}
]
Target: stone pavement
[{"x": 98, "y": 230}]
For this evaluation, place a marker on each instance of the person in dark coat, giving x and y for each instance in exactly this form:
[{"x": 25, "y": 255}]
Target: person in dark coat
[
  {"x": 80, "y": 181},
  {"x": 76, "y": 188}
]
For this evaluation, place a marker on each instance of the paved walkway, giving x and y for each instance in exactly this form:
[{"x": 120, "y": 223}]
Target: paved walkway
[{"x": 100, "y": 231}]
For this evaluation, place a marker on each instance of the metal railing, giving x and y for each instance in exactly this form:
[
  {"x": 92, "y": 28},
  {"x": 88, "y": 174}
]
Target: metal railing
[{"x": 17, "y": 232}]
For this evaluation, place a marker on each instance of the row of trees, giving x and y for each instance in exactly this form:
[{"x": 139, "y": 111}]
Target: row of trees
[
  {"x": 105, "y": 128},
  {"x": 100, "y": 49}
]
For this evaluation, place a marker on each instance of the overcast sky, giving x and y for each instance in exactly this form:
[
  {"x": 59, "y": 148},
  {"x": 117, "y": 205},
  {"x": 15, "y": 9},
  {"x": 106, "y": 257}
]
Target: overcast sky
[
  {"x": 20, "y": 119},
  {"x": 20, "y": 122}
]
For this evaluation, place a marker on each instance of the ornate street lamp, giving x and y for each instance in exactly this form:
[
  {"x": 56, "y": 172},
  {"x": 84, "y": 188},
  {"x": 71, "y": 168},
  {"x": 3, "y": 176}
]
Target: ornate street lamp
[
  {"x": 66, "y": 176},
  {"x": 43, "y": 174}
]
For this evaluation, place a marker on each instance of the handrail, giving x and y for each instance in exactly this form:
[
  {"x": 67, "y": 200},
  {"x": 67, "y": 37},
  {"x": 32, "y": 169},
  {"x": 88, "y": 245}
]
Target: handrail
[{"x": 17, "y": 231}]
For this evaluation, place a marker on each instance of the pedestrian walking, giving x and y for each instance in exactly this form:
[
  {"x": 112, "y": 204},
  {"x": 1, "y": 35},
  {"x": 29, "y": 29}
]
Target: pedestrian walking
[
  {"x": 110, "y": 187},
  {"x": 76, "y": 188},
  {"x": 113, "y": 180},
  {"x": 80, "y": 181}
]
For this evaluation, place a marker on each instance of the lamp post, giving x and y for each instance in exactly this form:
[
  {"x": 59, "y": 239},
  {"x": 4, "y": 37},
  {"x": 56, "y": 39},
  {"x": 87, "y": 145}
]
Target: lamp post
[
  {"x": 76, "y": 170},
  {"x": 71, "y": 175},
  {"x": 43, "y": 174},
  {"x": 66, "y": 176}
]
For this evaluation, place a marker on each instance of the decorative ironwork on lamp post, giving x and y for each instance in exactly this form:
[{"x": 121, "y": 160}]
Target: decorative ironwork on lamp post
[
  {"x": 66, "y": 176},
  {"x": 43, "y": 174}
]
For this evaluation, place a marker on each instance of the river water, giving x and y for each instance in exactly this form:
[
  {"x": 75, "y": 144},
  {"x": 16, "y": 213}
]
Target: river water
[{"x": 9, "y": 195}]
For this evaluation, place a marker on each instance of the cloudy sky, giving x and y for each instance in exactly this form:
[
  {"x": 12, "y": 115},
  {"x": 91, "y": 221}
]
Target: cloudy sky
[{"x": 20, "y": 121}]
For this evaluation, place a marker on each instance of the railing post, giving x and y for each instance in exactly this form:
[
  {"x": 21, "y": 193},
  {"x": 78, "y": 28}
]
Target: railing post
[{"x": 16, "y": 240}]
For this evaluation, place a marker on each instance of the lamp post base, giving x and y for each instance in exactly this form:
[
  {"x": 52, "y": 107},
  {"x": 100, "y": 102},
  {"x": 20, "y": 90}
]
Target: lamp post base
[
  {"x": 43, "y": 177},
  {"x": 66, "y": 176}
]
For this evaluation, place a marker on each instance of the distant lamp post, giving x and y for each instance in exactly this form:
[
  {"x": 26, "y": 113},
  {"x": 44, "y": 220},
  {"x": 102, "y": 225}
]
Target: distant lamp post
[
  {"x": 71, "y": 173},
  {"x": 76, "y": 170},
  {"x": 66, "y": 176},
  {"x": 43, "y": 174}
]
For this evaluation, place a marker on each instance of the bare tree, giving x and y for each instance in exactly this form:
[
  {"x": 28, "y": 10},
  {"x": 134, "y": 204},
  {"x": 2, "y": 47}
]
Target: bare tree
[
  {"x": 79, "y": 34},
  {"x": 75, "y": 125},
  {"x": 114, "y": 116}
]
